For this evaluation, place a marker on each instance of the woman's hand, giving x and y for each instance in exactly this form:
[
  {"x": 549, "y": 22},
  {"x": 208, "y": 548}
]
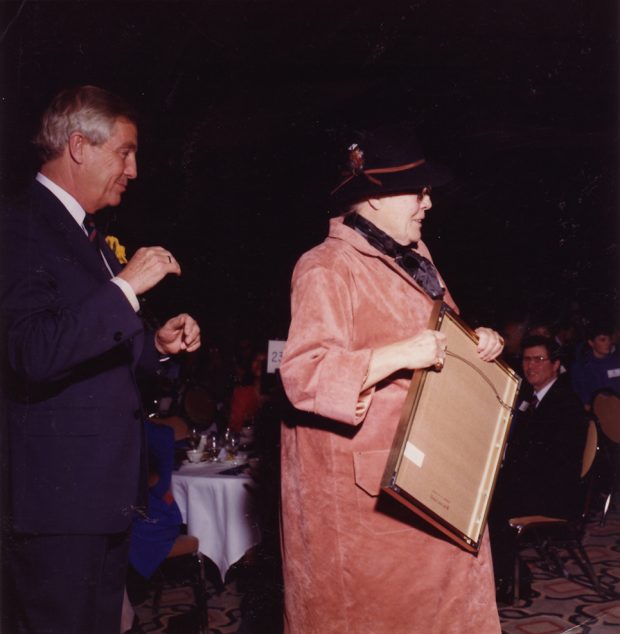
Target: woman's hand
[
  {"x": 490, "y": 344},
  {"x": 422, "y": 351},
  {"x": 426, "y": 349}
]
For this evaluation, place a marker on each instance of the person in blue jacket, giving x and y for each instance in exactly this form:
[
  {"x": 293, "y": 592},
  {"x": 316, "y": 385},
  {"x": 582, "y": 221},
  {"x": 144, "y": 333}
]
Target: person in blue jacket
[
  {"x": 597, "y": 367},
  {"x": 153, "y": 533}
]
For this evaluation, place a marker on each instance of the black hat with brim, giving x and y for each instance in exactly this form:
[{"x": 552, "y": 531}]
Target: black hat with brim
[{"x": 387, "y": 162}]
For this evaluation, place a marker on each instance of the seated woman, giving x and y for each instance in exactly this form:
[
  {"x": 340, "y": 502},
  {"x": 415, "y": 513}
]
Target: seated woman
[
  {"x": 153, "y": 535},
  {"x": 247, "y": 398}
]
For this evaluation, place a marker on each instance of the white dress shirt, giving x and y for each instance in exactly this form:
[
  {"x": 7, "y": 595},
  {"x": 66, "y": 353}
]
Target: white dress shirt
[
  {"x": 78, "y": 214},
  {"x": 541, "y": 393}
]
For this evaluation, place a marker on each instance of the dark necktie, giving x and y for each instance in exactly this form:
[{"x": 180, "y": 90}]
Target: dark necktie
[
  {"x": 94, "y": 238},
  {"x": 91, "y": 230},
  {"x": 534, "y": 402}
]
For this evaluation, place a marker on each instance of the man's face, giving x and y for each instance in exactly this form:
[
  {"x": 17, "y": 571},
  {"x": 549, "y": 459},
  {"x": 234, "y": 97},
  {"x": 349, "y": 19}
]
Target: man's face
[
  {"x": 538, "y": 368},
  {"x": 108, "y": 168},
  {"x": 601, "y": 346}
]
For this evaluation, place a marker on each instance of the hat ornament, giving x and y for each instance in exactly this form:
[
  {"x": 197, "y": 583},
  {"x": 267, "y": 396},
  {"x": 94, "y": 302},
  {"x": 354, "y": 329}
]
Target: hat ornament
[{"x": 356, "y": 164}]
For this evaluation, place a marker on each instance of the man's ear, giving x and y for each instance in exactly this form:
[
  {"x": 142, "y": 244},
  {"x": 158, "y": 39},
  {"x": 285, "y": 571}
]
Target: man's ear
[{"x": 76, "y": 145}]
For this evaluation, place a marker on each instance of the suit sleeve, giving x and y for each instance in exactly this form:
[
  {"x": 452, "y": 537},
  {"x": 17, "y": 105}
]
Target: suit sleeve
[{"x": 51, "y": 325}]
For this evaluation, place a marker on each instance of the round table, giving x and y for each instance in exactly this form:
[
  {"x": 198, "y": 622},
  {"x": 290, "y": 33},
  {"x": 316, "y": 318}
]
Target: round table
[{"x": 218, "y": 509}]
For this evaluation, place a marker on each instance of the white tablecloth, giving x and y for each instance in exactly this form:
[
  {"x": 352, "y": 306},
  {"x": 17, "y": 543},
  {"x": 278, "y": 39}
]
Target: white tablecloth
[{"x": 218, "y": 510}]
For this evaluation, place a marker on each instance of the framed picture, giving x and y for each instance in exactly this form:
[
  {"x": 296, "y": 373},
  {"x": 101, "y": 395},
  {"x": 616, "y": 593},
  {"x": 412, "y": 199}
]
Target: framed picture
[{"x": 451, "y": 437}]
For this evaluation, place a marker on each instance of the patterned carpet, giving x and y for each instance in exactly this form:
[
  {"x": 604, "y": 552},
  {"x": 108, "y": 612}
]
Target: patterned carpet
[
  {"x": 558, "y": 606},
  {"x": 248, "y": 603},
  {"x": 176, "y": 612}
]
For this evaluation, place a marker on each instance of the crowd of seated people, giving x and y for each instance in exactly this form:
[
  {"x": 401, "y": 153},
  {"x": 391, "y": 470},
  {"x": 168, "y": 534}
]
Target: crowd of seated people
[
  {"x": 209, "y": 392},
  {"x": 563, "y": 365},
  {"x": 566, "y": 332}
]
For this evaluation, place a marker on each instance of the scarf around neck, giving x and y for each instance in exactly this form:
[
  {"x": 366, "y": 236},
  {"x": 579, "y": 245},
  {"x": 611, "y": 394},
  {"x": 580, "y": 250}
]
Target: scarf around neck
[{"x": 417, "y": 266}]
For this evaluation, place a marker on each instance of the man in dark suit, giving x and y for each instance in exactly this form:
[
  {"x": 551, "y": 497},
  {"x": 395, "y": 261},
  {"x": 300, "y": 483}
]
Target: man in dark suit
[
  {"x": 72, "y": 343},
  {"x": 541, "y": 470}
]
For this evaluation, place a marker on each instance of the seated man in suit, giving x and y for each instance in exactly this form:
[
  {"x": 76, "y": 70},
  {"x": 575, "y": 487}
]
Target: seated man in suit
[
  {"x": 541, "y": 470},
  {"x": 72, "y": 341}
]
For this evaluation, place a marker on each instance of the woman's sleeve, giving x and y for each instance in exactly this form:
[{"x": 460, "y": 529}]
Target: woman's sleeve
[{"x": 321, "y": 372}]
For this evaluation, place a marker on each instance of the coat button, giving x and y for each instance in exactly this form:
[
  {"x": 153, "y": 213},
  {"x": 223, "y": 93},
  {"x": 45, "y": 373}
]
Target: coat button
[{"x": 118, "y": 336}]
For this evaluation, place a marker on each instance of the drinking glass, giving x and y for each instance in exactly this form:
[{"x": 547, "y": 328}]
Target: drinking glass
[
  {"x": 212, "y": 447},
  {"x": 193, "y": 438},
  {"x": 231, "y": 443}
]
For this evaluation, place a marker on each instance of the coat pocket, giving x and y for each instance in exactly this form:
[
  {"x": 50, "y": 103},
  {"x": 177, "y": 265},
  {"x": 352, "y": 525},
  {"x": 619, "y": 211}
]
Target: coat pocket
[
  {"x": 369, "y": 467},
  {"x": 374, "y": 516}
]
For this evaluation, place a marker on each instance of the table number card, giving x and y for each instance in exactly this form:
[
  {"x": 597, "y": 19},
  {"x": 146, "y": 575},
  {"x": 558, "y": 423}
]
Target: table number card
[{"x": 274, "y": 355}]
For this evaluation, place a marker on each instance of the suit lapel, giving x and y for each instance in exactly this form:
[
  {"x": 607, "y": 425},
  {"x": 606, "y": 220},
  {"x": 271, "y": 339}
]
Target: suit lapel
[
  {"x": 548, "y": 401},
  {"x": 115, "y": 266},
  {"x": 60, "y": 221}
]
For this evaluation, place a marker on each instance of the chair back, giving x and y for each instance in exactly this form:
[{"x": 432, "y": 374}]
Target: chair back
[
  {"x": 606, "y": 407},
  {"x": 589, "y": 451},
  {"x": 184, "y": 545},
  {"x": 199, "y": 405}
]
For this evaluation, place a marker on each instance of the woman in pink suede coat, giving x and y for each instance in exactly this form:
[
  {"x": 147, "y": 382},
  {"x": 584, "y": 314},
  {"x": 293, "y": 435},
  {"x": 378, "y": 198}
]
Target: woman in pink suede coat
[{"x": 354, "y": 560}]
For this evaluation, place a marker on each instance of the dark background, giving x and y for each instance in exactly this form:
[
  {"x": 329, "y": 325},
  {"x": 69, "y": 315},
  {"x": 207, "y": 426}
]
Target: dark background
[{"x": 248, "y": 105}]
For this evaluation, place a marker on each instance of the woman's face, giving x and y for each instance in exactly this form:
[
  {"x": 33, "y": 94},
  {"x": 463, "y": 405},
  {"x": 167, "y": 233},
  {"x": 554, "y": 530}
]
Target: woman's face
[
  {"x": 399, "y": 216},
  {"x": 601, "y": 345}
]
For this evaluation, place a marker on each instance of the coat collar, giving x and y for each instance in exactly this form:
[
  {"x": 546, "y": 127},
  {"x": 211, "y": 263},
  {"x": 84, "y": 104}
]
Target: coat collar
[{"x": 339, "y": 231}]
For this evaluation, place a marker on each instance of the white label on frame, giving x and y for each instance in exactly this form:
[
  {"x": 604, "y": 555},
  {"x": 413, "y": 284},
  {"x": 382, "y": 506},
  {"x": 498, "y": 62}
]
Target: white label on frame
[
  {"x": 414, "y": 454},
  {"x": 612, "y": 374},
  {"x": 275, "y": 349}
]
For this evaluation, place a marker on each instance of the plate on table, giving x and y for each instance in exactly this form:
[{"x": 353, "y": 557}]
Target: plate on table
[{"x": 236, "y": 470}]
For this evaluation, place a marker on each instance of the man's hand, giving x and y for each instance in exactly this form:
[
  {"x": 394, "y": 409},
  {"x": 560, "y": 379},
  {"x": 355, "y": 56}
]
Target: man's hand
[
  {"x": 179, "y": 334},
  {"x": 490, "y": 344},
  {"x": 148, "y": 267}
]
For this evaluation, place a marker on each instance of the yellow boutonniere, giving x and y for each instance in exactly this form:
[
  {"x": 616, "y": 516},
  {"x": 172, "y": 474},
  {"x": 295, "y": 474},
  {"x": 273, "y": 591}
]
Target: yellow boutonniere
[{"x": 117, "y": 248}]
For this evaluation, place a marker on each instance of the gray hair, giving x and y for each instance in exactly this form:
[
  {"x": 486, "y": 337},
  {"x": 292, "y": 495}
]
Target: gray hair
[{"x": 86, "y": 109}]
